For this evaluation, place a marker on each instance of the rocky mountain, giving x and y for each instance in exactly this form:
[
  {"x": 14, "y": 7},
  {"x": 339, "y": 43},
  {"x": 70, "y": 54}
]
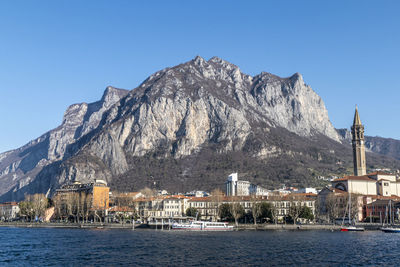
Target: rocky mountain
[
  {"x": 184, "y": 128},
  {"x": 19, "y": 167},
  {"x": 384, "y": 146}
]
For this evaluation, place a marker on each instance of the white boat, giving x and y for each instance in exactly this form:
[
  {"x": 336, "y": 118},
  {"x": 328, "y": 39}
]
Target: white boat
[
  {"x": 391, "y": 229},
  {"x": 202, "y": 226},
  {"x": 351, "y": 228}
]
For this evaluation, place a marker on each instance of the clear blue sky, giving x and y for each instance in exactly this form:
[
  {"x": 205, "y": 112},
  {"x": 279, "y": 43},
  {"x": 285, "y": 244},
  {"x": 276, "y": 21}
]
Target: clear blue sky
[{"x": 56, "y": 53}]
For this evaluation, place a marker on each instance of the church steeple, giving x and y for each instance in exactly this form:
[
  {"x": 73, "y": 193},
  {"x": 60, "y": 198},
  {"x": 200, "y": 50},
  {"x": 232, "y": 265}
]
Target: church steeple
[
  {"x": 357, "y": 132},
  {"x": 357, "y": 120}
]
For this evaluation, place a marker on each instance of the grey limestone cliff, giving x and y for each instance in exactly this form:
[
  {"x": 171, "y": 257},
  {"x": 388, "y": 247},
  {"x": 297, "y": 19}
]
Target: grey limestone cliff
[
  {"x": 178, "y": 119},
  {"x": 19, "y": 167}
]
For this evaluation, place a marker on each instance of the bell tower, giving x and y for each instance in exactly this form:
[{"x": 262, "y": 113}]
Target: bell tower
[{"x": 357, "y": 133}]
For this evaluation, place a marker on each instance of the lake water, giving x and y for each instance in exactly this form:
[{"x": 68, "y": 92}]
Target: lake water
[{"x": 110, "y": 247}]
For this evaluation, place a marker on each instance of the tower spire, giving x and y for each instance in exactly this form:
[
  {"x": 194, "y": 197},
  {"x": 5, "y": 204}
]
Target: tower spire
[
  {"x": 357, "y": 120},
  {"x": 357, "y": 132}
]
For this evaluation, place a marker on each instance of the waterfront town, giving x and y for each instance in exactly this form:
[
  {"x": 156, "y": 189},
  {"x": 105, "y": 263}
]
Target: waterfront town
[{"x": 374, "y": 198}]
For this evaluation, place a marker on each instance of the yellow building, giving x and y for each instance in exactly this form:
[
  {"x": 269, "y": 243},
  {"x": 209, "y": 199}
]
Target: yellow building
[
  {"x": 82, "y": 200},
  {"x": 100, "y": 193}
]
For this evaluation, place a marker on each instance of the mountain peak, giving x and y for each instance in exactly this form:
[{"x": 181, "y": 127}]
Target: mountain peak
[
  {"x": 297, "y": 76},
  {"x": 216, "y": 59},
  {"x": 112, "y": 95},
  {"x": 198, "y": 60},
  {"x": 221, "y": 63}
]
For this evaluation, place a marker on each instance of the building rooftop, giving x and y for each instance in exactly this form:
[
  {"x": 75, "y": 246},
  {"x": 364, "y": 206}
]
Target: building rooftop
[
  {"x": 121, "y": 209},
  {"x": 360, "y": 178},
  {"x": 9, "y": 204},
  {"x": 379, "y": 173}
]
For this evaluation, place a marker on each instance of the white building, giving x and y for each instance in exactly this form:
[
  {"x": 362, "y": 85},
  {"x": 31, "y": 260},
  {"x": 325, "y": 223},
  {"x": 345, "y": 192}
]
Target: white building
[
  {"x": 162, "y": 206},
  {"x": 174, "y": 207},
  {"x": 308, "y": 190},
  {"x": 235, "y": 187},
  {"x": 231, "y": 184},
  {"x": 259, "y": 190},
  {"x": 9, "y": 211},
  {"x": 197, "y": 194},
  {"x": 208, "y": 206},
  {"x": 376, "y": 183}
]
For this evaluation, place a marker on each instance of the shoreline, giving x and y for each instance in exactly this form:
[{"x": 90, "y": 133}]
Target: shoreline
[{"x": 241, "y": 227}]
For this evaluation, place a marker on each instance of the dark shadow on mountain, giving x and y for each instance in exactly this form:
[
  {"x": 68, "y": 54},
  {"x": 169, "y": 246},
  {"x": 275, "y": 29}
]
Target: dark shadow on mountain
[
  {"x": 32, "y": 155},
  {"x": 45, "y": 179}
]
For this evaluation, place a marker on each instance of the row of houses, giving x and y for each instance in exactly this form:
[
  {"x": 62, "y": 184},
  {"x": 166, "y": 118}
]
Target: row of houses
[
  {"x": 175, "y": 206},
  {"x": 333, "y": 203}
]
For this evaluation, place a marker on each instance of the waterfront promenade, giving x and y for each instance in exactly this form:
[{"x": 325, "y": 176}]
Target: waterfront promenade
[
  {"x": 241, "y": 227},
  {"x": 66, "y": 225}
]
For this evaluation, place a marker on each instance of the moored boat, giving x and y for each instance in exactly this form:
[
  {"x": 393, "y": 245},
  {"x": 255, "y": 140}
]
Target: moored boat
[
  {"x": 352, "y": 228},
  {"x": 389, "y": 218},
  {"x": 390, "y": 229},
  {"x": 202, "y": 226}
]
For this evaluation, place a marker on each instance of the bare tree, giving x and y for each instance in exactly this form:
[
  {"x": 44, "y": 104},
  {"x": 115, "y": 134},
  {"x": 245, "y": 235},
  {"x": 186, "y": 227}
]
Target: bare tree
[
  {"x": 274, "y": 212},
  {"x": 148, "y": 193},
  {"x": 294, "y": 211},
  {"x": 69, "y": 204},
  {"x": 295, "y": 208},
  {"x": 128, "y": 202},
  {"x": 317, "y": 209},
  {"x": 132, "y": 205},
  {"x": 334, "y": 206},
  {"x": 57, "y": 206},
  {"x": 76, "y": 206},
  {"x": 88, "y": 203},
  {"x": 256, "y": 208},
  {"x": 236, "y": 210},
  {"x": 39, "y": 204},
  {"x": 122, "y": 200},
  {"x": 82, "y": 206},
  {"x": 216, "y": 198}
]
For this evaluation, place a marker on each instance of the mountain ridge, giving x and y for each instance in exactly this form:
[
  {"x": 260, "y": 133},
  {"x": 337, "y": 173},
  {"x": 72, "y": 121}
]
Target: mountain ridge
[{"x": 195, "y": 110}]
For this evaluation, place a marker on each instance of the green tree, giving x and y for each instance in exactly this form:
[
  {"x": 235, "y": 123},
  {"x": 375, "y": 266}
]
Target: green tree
[
  {"x": 306, "y": 213},
  {"x": 26, "y": 210},
  {"x": 224, "y": 212},
  {"x": 266, "y": 211},
  {"x": 192, "y": 212}
]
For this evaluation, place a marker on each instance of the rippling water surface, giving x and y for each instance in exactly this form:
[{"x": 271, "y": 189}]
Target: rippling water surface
[{"x": 103, "y": 247}]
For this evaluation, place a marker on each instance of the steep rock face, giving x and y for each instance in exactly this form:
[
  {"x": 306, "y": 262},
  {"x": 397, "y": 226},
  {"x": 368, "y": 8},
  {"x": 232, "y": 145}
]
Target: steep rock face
[
  {"x": 180, "y": 118},
  {"x": 293, "y": 105},
  {"x": 80, "y": 119},
  {"x": 19, "y": 167},
  {"x": 212, "y": 101},
  {"x": 384, "y": 146}
]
